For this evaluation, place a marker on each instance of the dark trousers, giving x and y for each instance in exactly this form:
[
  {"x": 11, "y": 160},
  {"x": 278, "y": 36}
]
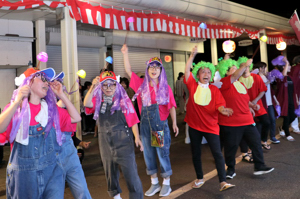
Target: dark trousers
[
  {"x": 213, "y": 141},
  {"x": 1, "y": 154},
  {"x": 232, "y": 139},
  {"x": 272, "y": 118},
  {"x": 287, "y": 120},
  {"x": 263, "y": 126}
]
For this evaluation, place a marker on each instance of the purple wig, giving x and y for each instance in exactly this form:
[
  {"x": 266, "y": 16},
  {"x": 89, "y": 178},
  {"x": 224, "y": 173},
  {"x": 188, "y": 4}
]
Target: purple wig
[
  {"x": 162, "y": 94},
  {"x": 278, "y": 61},
  {"x": 120, "y": 100},
  {"x": 22, "y": 112},
  {"x": 274, "y": 74}
]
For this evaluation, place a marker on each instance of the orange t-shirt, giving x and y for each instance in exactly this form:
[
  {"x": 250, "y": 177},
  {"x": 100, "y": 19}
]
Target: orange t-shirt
[
  {"x": 238, "y": 102},
  {"x": 203, "y": 118}
]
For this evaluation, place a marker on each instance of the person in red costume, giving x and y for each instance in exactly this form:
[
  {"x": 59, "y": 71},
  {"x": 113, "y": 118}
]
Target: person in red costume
[
  {"x": 202, "y": 110},
  {"x": 256, "y": 90}
]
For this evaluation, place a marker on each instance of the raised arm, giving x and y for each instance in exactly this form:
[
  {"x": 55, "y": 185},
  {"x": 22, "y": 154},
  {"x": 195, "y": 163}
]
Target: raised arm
[
  {"x": 239, "y": 72},
  {"x": 190, "y": 62},
  {"x": 7, "y": 115},
  {"x": 127, "y": 66},
  {"x": 287, "y": 65},
  {"x": 89, "y": 95}
]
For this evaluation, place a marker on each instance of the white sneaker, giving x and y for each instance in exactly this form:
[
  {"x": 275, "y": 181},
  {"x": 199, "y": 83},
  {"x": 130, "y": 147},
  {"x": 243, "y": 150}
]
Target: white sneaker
[
  {"x": 282, "y": 133},
  {"x": 187, "y": 140},
  {"x": 155, "y": 188}
]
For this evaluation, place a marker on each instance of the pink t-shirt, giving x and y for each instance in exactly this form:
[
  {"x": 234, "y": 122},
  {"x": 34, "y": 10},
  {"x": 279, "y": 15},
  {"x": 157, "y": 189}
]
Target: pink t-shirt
[
  {"x": 164, "y": 110},
  {"x": 64, "y": 121},
  {"x": 131, "y": 118}
]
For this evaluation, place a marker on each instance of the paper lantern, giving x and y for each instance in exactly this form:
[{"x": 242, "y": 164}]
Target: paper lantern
[
  {"x": 42, "y": 56},
  {"x": 168, "y": 58},
  {"x": 130, "y": 20},
  {"x": 281, "y": 45},
  {"x": 228, "y": 46},
  {"x": 109, "y": 59},
  {"x": 264, "y": 38},
  {"x": 81, "y": 73},
  {"x": 203, "y": 25}
]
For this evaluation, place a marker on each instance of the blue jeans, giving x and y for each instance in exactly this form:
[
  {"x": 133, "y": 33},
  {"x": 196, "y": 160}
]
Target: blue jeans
[
  {"x": 150, "y": 116},
  {"x": 32, "y": 171},
  {"x": 72, "y": 169}
]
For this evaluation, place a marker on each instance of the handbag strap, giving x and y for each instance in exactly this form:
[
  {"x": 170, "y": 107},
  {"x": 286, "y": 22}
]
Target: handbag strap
[{"x": 149, "y": 121}]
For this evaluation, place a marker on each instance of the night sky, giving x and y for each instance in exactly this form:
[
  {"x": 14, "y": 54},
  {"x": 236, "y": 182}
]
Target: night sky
[{"x": 282, "y": 8}]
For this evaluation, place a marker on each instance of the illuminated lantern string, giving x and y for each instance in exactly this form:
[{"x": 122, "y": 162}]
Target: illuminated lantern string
[
  {"x": 203, "y": 25},
  {"x": 81, "y": 73},
  {"x": 281, "y": 45},
  {"x": 228, "y": 46}
]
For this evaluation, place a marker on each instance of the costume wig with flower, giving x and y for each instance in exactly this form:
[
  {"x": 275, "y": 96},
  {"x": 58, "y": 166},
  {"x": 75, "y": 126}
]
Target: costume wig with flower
[
  {"x": 162, "y": 93},
  {"x": 121, "y": 101},
  {"x": 201, "y": 65},
  {"x": 243, "y": 60},
  {"x": 224, "y": 65},
  {"x": 22, "y": 113}
]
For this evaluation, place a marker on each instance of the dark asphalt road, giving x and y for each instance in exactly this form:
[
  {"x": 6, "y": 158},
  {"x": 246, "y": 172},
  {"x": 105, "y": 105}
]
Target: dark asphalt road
[{"x": 283, "y": 182}]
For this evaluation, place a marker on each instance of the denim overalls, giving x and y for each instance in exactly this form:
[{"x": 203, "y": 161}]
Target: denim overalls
[
  {"x": 150, "y": 116},
  {"x": 39, "y": 169},
  {"x": 117, "y": 148},
  {"x": 32, "y": 170},
  {"x": 72, "y": 169}
]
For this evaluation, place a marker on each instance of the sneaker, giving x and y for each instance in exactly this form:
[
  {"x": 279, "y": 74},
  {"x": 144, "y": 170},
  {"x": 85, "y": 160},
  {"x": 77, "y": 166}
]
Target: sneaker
[
  {"x": 165, "y": 190},
  {"x": 85, "y": 133},
  {"x": 155, "y": 188},
  {"x": 263, "y": 170},
  {"x": 230, "y": 174},
  {"x": 274, "y": 140},
  {"x": 187, "y": 140}
]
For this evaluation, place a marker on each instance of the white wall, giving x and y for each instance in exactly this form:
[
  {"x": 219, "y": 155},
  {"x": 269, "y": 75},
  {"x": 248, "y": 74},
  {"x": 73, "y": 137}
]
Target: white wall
[
  {"x": 7, "y": 77},
  {"x": 15, "y": 51}
]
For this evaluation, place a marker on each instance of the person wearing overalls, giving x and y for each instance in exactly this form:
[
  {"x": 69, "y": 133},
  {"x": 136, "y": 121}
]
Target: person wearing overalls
[
  {"x": 69, "y": 160},
  {"x": 32, "y": 123},
  {"x": 117, "y": 121},
  {"x": 156, "y": 101}
]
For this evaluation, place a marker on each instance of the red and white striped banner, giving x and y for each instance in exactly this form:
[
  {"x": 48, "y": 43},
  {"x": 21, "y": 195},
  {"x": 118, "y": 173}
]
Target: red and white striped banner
[
  {"x": 21, "y": 5},
  {"x": 111, "y": 18}
]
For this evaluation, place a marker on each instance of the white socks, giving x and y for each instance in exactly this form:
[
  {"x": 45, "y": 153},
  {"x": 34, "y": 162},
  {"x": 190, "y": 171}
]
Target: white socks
[
  {"x": 117, "y": 196},
  {"x": 166, "y": 181},
  {"x": 154, "y": 180}
]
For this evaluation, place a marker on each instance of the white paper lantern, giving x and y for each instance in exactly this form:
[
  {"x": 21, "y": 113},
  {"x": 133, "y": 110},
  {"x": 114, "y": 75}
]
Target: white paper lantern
[
  {"x": 228, "y": 46},
  {"x": 281, "y": 45}
]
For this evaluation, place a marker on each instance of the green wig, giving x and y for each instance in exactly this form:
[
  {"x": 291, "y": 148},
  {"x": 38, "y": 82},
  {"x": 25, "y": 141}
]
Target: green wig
[
  {"x": 201, "y": 65},
  {"x": 224, "y": 65},
  {"x": 244, "y": 60}
]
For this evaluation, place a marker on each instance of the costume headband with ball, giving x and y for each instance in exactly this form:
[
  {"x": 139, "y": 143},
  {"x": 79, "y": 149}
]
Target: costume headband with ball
[{"x": 202, "y": 65}]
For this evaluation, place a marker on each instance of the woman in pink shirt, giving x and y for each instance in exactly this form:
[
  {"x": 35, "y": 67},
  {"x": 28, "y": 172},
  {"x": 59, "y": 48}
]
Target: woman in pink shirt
[{"x": 156, "y": 101}]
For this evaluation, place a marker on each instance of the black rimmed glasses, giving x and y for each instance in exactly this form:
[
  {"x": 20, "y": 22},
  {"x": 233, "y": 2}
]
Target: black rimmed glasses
[{"x": 112, "y": 86}]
